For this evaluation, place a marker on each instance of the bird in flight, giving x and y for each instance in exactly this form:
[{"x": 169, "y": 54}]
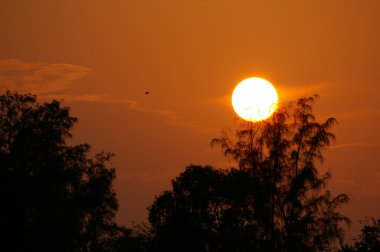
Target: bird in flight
[{"x": 146, "y": 92}]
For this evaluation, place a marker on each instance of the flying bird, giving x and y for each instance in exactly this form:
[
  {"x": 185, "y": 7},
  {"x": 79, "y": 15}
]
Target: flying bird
[{"x": 146, "y": 92}]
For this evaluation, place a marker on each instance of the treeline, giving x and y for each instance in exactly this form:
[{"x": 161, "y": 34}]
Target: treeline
[{"x": 55, "y": 197}]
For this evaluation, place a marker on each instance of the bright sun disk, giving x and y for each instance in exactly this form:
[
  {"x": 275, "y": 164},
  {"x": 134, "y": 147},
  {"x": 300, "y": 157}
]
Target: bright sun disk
[{"x": 254, "y": 99}]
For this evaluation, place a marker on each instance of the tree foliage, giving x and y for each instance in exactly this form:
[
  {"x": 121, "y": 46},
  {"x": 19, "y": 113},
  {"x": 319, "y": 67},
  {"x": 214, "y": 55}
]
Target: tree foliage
[
  {"x": 57, "y": 198},
  {"x": 54, "y": 197},
  {"x": 369, "y": 240},
  {"x": 275, "y": 200},
  {"x": 206, "y": 210},
  {"x": 136, "y": 239}
]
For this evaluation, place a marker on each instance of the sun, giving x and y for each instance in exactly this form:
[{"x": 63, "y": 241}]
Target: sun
[{"x": 254, "y": 99}]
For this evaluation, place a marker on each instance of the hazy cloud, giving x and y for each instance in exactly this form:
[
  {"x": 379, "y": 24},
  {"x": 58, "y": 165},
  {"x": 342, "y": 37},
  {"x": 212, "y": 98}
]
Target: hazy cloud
[
  {"x": 372, "y": 186},
  {"x": 353, "y": 145},
  {"x": 149, "y": 176},
  {"x": 38, "y": 78},
  {"x": 285, "y": 93},
  {"x": 291, "y": 93},
  {"x": 173, "y": 118},
  {"x": 347, "y": 182},
  {"x": 170, "y": 117},
  {"x": 45, "y": 80},
  {"x": 361, "y": 113}
]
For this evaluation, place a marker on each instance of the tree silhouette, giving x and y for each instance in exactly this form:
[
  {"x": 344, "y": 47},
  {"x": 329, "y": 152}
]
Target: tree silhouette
[
  {"x": 369, "y": 240},
  {"x": 204, "y": 211},
  {"x": 54, "y": 197},
  {"x": 274, "y": 201},
  {"x": 183, "y": 216},
  {"x": 136, "y": 239}
]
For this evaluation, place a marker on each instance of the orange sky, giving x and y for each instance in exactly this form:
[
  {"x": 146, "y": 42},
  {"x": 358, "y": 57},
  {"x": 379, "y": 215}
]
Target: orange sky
[{"x": 101, "y": 56}]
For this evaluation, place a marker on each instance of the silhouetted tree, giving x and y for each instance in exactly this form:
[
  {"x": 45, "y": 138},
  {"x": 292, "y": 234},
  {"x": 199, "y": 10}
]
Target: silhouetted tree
[
  {"x": 369, "y": 240},
  {"x": 53, "y": 196},
  {"x": 274, "y": 201},
  {"x": 204, "y": 211},
  {"x": 136, "y": 239},
  {"x": 181, "y": 218},
  {"x": 291, "y": 205}
]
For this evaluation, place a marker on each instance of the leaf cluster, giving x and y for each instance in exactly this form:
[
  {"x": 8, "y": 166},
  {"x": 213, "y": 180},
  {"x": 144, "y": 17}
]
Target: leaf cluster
[
  {"x": 274, "y": 200},
  {"x": 54, "y": 196}
]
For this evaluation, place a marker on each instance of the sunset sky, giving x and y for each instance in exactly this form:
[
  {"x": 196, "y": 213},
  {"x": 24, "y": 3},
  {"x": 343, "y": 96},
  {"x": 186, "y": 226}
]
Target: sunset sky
[{"x": 100, "y": 57}]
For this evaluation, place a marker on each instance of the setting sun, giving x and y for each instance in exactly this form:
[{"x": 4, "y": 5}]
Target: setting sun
[
  {"x": 254, "y": 99},
  {"x": 113, "y": 119}
]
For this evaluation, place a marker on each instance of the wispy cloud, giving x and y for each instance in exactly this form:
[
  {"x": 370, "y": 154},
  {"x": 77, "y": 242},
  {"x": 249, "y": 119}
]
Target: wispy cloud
[
  {"x": 148, "y": 176},
  {"x": 170, "y": 117},
  {"x": 286, "y": 93},
  {"x": 291, "y": 93},
  {"x": 372, "y": 186},
  {"x": 38, "y": 78},
  {"x": 48, "y": 80},
  {"x": 221, "y": 100},
  {"x": 354, "y": 145},
  {"x": 347, "y": 182},
  {"x": 361, "y": 113},
  {"x": 173, "y": 118}
]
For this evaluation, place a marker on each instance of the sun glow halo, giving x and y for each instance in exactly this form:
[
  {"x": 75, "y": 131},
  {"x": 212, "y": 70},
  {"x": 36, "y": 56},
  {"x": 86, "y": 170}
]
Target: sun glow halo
[{"x": 254, "y": 99}]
